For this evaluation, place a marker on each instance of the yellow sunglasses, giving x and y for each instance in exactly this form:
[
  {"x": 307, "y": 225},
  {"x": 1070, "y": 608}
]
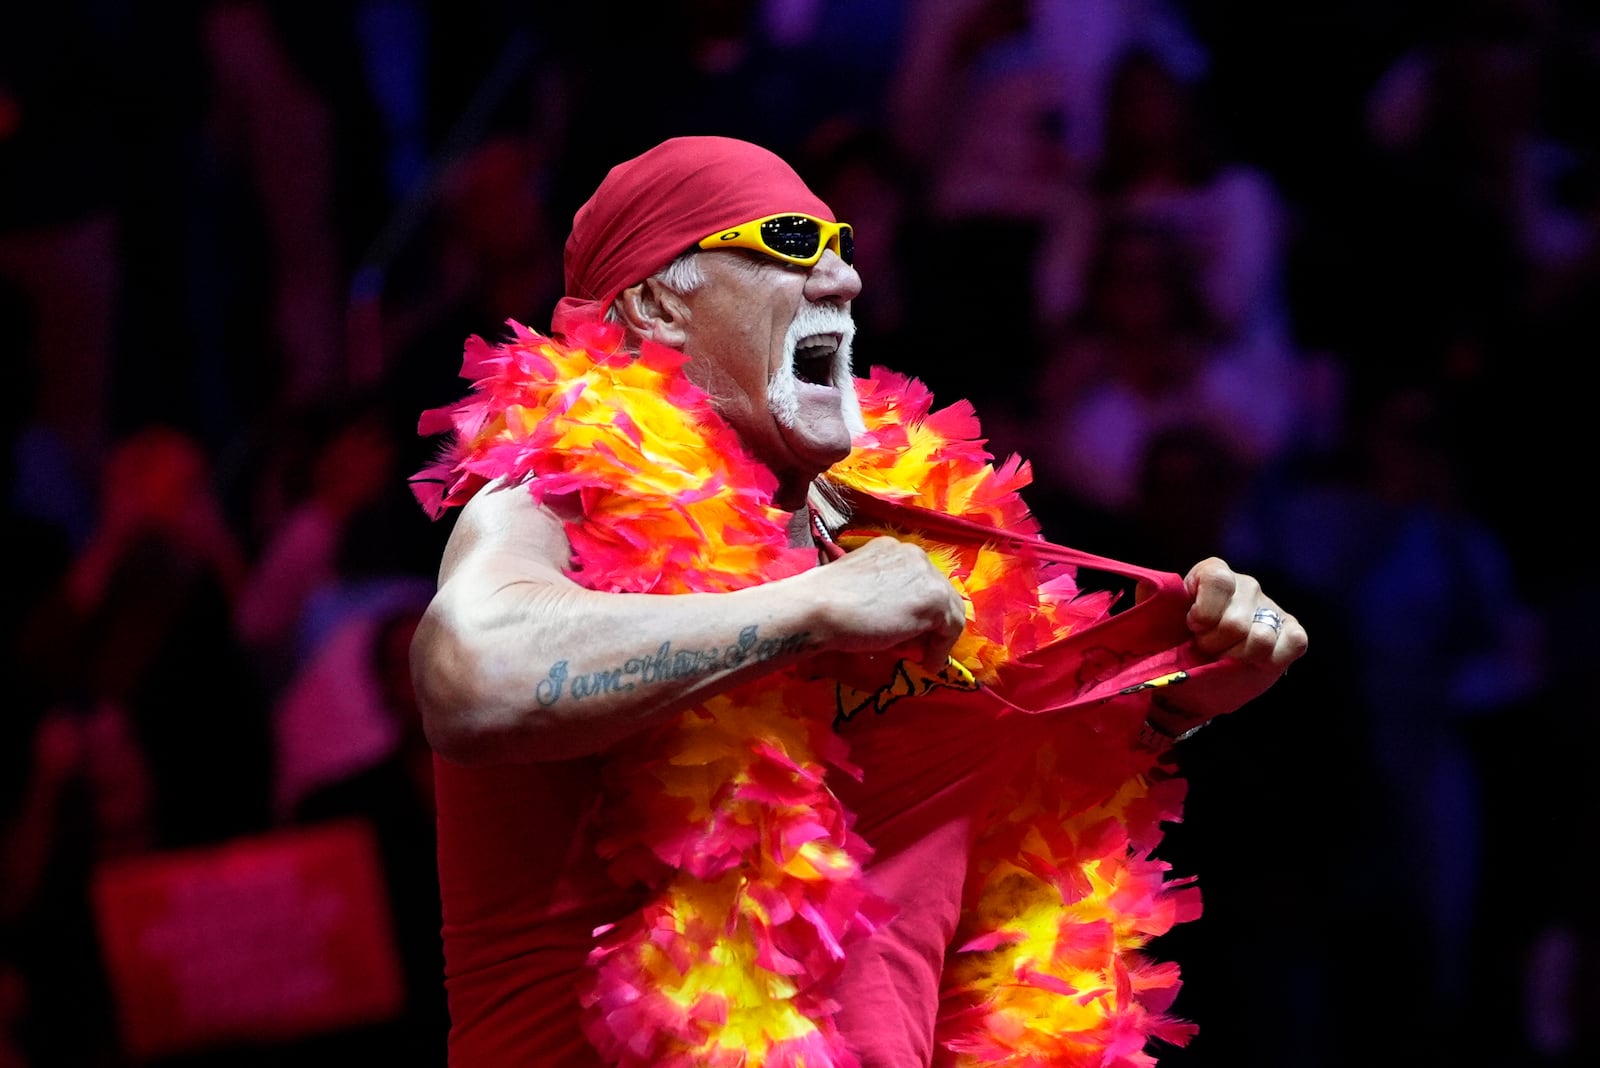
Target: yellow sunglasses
[{"x": 799, "y": 239}]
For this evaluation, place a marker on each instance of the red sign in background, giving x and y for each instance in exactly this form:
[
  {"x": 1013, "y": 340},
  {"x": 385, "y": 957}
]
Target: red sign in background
[{"x": 263, "y": 939}]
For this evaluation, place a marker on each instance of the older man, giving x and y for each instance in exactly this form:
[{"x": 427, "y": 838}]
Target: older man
[{"x": 647, "y": 815}]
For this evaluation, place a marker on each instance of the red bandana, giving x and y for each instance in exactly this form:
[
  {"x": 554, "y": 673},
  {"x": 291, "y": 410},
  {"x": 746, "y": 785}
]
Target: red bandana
[{"x": 656, "y": 206}]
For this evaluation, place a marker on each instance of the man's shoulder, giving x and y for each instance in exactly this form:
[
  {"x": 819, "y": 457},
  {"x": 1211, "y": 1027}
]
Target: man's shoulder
[{"x": 505, "y": 517}]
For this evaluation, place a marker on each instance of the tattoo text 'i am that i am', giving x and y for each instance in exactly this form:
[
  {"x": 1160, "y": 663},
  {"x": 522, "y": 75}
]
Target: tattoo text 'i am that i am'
[{"x": 664, "y": 665}]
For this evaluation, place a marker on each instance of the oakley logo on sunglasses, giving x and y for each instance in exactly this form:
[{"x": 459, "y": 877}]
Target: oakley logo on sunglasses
[{"x": 800, "y": 239}]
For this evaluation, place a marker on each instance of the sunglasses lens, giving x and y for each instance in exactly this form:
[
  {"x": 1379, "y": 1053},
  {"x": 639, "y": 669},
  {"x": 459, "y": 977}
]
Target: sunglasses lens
[
  {"x": 847, "y": 244},
  {"x": 791, "y": 235}
]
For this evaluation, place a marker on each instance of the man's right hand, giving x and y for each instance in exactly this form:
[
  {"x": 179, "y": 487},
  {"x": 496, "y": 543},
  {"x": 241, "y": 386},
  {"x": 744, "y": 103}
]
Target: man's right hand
[{"x": 888, "y": 602}]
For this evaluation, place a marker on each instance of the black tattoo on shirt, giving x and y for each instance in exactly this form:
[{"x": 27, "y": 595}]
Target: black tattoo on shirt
[{"x": 665, "y": 665}]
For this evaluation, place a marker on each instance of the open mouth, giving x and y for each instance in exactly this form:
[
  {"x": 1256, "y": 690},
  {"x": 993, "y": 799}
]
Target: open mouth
[{"x": 814, "y": 359}]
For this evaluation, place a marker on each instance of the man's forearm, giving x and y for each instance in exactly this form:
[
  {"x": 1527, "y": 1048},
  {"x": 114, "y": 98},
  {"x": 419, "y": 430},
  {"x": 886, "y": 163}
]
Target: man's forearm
[{"x": 548, "y": 674}]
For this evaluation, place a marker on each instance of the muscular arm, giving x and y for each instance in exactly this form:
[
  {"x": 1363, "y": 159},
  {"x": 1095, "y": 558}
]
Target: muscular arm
[{"x": 515, "y": 662}]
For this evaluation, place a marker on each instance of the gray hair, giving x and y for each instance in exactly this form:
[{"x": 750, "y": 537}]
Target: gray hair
[{"x": 683, "y": 275}]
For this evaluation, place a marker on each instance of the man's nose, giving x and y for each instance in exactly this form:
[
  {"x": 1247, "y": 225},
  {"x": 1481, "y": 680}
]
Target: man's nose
[{"x": 832, "y": 279}]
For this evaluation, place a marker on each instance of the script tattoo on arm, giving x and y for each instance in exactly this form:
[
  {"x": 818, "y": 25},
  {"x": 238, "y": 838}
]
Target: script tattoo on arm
[{"x": 664, "y": 665}]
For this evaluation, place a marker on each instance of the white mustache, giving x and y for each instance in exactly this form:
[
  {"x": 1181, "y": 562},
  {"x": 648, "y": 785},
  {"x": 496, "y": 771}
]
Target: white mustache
[
  {"x": 820, "y": 319},
  {"x": 809, "y": 321}
]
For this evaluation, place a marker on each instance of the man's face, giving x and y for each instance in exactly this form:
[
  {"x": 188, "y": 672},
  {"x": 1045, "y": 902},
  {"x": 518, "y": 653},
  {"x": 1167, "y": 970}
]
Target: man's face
[{"x": 770, "y": 342}]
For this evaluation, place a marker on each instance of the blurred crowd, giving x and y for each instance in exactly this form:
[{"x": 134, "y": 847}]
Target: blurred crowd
[{"x": 1312, "y": 287}]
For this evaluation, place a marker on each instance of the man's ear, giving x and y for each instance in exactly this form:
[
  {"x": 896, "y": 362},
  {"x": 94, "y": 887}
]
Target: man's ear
[{"x": 653, "y": 312}]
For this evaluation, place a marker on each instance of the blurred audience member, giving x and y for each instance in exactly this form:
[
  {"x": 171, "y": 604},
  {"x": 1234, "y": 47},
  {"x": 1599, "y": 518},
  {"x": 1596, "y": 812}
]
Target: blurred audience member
[
  {"x": 976, "y": 107},
  {"x": 973, "y": 109},
  {"x": 1475, "y": 100},
  {"x": 144, "y": 623},
  {"x": 156, "y": 490},
  {"x": 1047, "y": 64},
  {"x": 333, "y": 720},
  {"x": 284, "y": 127},
  {"x": 385, "y": 560},
  {"x": 1162, "y": 164},
  {"x": 1525, "y": 379},
  {"x": 1470, "y": 220},
  {"x": 351, "y": 458},
  {"x": 487, "y": 254},
  {"x": 337, "y": 715},
  {"x": 1446, "y": 650},
  {"x": 1083, "y": 41},
  {"x": 1141, "y": 356}
]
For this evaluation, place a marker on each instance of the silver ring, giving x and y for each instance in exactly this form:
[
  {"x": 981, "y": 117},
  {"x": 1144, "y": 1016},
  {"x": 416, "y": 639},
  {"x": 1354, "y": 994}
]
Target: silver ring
[{"x": 1270, "y": 618}]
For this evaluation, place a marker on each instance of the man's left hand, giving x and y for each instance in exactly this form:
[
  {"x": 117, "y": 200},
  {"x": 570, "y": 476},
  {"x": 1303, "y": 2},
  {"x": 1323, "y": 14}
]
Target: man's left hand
[{"x": 1230, "y": 618}]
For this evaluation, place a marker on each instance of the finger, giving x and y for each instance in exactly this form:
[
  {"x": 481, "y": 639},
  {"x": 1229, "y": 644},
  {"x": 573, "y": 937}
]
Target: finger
[
  {"x": 1212, "y": 586},
  {"x": 1267, "y": 619},
  {"x": 1276, "y": 637},
  {"x": 1275, "y": 640},
  {"x": 1222, "y": 615}
]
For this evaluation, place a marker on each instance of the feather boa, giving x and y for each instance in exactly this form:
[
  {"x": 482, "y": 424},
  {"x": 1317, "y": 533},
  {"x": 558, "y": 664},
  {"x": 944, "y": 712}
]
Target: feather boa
[{"x": 756, "y": 880}]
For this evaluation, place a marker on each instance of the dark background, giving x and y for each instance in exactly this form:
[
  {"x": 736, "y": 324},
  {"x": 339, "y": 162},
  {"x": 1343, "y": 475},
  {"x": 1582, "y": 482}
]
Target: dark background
[{"x": 241, "y": 244}]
